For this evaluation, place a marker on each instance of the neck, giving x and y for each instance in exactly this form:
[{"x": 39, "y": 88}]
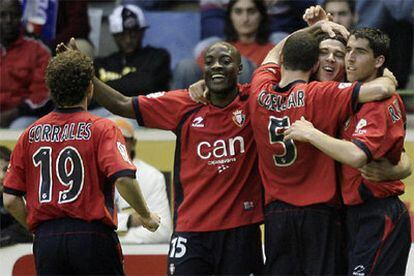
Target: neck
[
  {"x": 247, "y": 38},
  {"x": 223, "y": 99},
  {"x": 83, "y": 105},
  {"x": 289, "y": 76}
]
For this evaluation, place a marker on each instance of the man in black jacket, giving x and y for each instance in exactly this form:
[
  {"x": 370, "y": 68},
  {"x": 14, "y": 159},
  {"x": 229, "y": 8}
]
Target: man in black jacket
[{"x": 133, "y": 70}]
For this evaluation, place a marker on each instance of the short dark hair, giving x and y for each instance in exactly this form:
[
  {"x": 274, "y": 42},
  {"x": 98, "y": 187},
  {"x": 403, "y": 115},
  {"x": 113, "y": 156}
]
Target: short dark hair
[
  {"x": 263, "y": 31},
  {"x": 68, "y": 76},
  {"x": 16, "y": 4},
  {"x": 351, "y": 4},
  {"x": 5, "y": 153},
  {"x": 300, "y": 52},
  {"x": 378, "y": 41}
]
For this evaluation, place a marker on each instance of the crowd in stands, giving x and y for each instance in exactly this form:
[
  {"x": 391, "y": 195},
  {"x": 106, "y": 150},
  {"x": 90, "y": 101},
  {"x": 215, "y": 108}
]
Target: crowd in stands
[{"x": 134, "y": 69}]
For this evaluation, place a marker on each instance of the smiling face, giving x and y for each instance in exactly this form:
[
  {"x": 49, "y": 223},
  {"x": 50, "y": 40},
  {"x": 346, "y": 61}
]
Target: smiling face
[
  {"x": 221, "y": 68},
  {"x": 361, "y": 65},
  {"x": 331, "y": 60},
  {"x": 245, "y": 18}
]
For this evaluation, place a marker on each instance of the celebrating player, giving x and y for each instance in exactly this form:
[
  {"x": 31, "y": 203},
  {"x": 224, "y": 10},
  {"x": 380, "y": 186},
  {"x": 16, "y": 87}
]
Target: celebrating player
[{"x": 65, "y": 165}]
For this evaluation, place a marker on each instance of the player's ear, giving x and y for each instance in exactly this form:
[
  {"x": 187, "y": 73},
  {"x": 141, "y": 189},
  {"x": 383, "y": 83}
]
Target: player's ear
[
  {"x": 379, "y": 61},
  {"x": 240, "y": 68}
]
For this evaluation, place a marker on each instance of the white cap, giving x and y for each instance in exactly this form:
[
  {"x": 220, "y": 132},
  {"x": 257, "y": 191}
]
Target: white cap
[{"x": 126, "y": 17}]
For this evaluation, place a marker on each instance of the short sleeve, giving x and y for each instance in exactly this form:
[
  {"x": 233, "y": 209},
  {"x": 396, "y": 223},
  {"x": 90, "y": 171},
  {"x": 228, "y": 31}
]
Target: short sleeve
[
  {"x": 113, "y": 159},
  {"x": 163, "y": 110},
  {"x": 15, "y": 179},
  {"x": 265, "y": 77}
]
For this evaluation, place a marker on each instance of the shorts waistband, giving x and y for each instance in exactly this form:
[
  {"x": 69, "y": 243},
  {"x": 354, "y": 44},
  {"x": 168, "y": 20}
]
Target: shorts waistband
[
  {"x": 281, "y": 205},
  {"x": 71, "y": 225}
]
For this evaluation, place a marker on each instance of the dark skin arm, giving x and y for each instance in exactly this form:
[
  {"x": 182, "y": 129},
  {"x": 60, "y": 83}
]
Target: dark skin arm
[{"x": 106, "y": 96}]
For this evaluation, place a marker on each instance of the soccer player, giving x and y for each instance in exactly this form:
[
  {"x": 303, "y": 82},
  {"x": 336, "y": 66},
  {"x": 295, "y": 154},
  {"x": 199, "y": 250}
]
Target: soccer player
[
  {"x": 65, "y": 165},
  {"x": 300, "y": 182},
  {"x": 378, "y": 223},
  {"x": 218, "y": 192}
]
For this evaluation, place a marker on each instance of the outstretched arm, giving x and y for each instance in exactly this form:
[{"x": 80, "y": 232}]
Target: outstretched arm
[
  {"x": 342, "y": 151},
  {"x": 106, "y": 96}
]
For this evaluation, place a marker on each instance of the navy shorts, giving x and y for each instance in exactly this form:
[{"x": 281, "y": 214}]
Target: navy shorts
[
  {"x": 76, "y": 247},
  {"x": 379, "y": 237},
  {"x": 303, "y": 240},
  {"x": 236, "y": 251}
]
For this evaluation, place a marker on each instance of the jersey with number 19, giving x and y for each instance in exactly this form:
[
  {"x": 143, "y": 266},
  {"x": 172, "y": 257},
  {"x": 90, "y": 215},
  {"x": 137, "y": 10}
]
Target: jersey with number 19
[
  {"x": 66, "y": 164},
  {"x": 216, "y": 180},
  {"x": 293, "y": 172}
]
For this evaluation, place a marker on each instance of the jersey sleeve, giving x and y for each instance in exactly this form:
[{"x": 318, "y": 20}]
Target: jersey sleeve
[
  {"x": 380, "y": 131},
  {"x": 265, "y": 77},
  {"x": 338, "y": 99},
  {"x": 113, "y": 159},
  {"x": 15, "y": 179},
  {"x": 163, "y": 110}
]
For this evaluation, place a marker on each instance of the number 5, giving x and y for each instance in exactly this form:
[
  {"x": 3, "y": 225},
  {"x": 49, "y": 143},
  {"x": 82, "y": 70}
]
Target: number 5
[{"x": 289, "y": 155}]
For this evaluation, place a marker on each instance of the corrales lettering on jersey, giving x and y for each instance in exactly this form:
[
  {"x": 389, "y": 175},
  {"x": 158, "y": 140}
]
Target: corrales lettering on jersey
[
  {"x": 280, "y": 102},
  {"x": 58, "y": 133}
]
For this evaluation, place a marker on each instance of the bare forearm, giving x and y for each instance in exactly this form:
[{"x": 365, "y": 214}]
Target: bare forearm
[
  {"x": 342, "y": 151},
  {"x": 112, "y": 100},
  {"x": 17, "y": 208},
  {"x": 376, "y": 90},
  {"x": 128, "y": 188},
  {"x": 403, "y": 169}
]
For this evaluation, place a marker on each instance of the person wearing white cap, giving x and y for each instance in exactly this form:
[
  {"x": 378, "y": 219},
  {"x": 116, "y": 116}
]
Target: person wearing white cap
[
  {"x": 153, "y": 187},
  {"x": 134, "y": 69}
]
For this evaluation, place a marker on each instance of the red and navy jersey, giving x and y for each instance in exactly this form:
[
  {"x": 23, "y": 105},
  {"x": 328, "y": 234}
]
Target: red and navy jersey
[
  {"x": 66, "y": 164},
  {"x": 216, "y": 179},
  {"x": 377, "y": 129},
  {"x": 294, "y": 172}
]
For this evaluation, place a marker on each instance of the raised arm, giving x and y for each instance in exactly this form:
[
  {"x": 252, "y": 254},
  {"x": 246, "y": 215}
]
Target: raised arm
[
  {"x": 106, "y": 96},
  {"x": 129, "y": 189},
  {"x": 342, "y": 151}
]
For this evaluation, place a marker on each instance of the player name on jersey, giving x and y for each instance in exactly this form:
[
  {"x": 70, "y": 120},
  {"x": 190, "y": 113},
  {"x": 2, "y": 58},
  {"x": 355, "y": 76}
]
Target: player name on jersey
[
  {"x": 279, "y": 102},
  {"x": 59, "y": 133}
]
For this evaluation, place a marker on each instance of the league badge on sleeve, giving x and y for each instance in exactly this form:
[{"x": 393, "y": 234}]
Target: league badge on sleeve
[
  {"x": 343, "y": 85},
  {"x": 123, "y": 151},
  {"x": 239, "y": 118}
]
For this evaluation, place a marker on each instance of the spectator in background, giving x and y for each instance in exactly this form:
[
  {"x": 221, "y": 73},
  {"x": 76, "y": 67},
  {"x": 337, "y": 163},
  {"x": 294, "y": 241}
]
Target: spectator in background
[
  {"x": 246, "y": 27},
  {"x": 11, "y": 231},
  {"x": 23, "y": 61},
  {"x": 134, "y": 69},
  {"x": 152, "y": 184},
  {"x": 73, "y": 21},
  {"x": 342, "y": 11},
  {"x": 285, "y": 17}
]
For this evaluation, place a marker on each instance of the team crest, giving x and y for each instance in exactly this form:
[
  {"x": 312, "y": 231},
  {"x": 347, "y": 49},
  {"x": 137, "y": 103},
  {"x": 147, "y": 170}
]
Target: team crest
[{"x": 239, "y": 118}]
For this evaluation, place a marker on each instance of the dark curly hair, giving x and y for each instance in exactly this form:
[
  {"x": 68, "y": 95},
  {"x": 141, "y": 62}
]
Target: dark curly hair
[
  {"x": 263, "y": 31},
  {"x": 68, "y": 76},
  {"x": 378, "y": 41}
]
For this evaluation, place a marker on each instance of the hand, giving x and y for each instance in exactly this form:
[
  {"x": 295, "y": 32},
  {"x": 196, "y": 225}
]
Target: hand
[
  {"x": 199, "y": 92},
  {"x": 378, "y": 170},
  {"x": 388, "y": 74},
  {"x": 61, "y": 47},
  {"x": 330, "y": 28},
  {"x": 314, "y": 14},
  {"x": 300, "y": 130},
  {"x": 152, "y": 222}
]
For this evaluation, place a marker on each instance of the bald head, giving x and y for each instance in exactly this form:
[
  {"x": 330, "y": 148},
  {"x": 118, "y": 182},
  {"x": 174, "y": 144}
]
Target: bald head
[{"x": 232, "y": 50}]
